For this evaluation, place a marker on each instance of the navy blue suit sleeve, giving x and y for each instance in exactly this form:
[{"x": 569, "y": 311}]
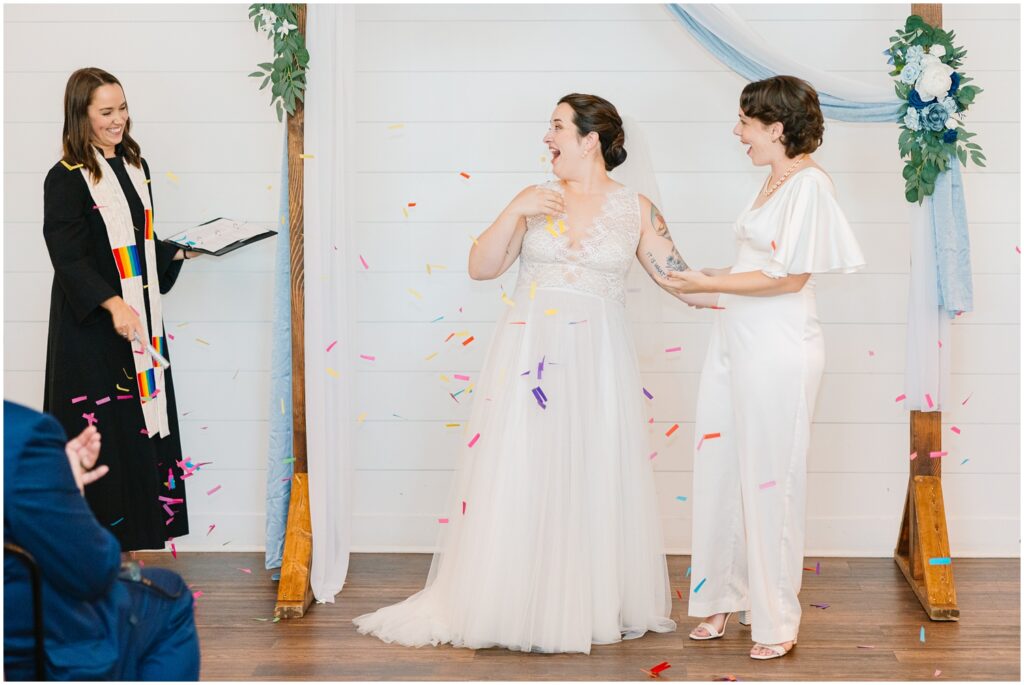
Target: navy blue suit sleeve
[{"x": 50, "y": 519}]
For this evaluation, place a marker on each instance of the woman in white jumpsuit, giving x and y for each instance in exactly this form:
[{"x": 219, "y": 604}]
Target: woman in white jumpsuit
[{"x": 761, "y": 375}]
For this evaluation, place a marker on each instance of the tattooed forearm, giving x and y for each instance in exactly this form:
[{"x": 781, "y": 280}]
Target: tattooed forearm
[
  {"x": 658, "y": 221},
  {"x": 657, "y": 267},
  {"x": 675, "y": 262}
]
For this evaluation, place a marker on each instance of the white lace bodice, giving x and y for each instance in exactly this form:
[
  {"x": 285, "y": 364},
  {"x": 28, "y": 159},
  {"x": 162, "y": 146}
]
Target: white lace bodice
[{"x": 599, "y": 265}]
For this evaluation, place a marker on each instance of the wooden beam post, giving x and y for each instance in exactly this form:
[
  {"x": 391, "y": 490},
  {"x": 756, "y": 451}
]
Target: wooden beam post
[
  {"x": 923, "y": 535},
  {"x": 294, "y": 594}
]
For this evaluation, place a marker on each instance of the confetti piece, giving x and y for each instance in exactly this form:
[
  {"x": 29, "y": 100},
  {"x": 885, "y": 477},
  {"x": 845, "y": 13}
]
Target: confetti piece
[
  {"x": 937, "y": 454},
  {"x": 444, "y": 378},
  {"x": 506, "y": 300},
  {"x": 201, "y": 341},
  {"x": 673, "y": 349},
  {"x": 820, "y": 606},
  {"x": 901, "y": 398},
  {"x": 332, "y": 373},
  {"x": 463, "y": 174},
  {"x": 305, "y": 155},
  {"x": 653, "y": 455},
  {"x": 174, "y": 551},
  {"x": 871, "y": 353},
  {"x": 171, "y": 336},
  {"x": 361, "y": 417},
  {"x": 681, "y": 498},
  {"x": 282, "y": 406},
  {"x": 655, "y": 671},
  {"x": 91, "y": 418},
  {"x": 452, "y": 425},
  {"x": 940, "y": 344},
  {"x": 363, "y": 262},
  {"x": 700, "y": 585},
  {"x": 964, "y": 462},
  {"x": 767, "y": 484},
  {"x": 922, "y": 634},
  {"x": 964, "y": 403},
  {"x": 213, "y": 490},
  {"x": 406, "y": 213},
  {"x": 550, "y": 312},
  {"x": 475, "y": 438},
  {"x": 940, "y": 561},
  {"x": 955, "y": 429},
  {"x": 76, "y": 400},
  {"x": 442, "y": 520},
  {"x": 679, "y": 594},
  {"x": 468, "y": 340},
  {"x": 928, "y": 399},
  {"x": 430, "y": 356},
  {"x": 817, "y": 569},
  {"x": 551, "y": 229},
  {"x": 937, "y": 673},
  {"x": 103, "y": 400},
  {"x": 79, "y": 166},
  {"x": 414, "y": 293},
  {"x": 463, "y": 507},
  {"x": 246, "y": 570},
  {"x": 475, "y": 242},
  {"x": 395, "y": 126},
  {"x": 1017, "y": 247},
  {"x": 533, "y": 289},
  {"x": 331, "y": 346},
  {"x": 673, "y": 429},
  {"x": 171, "y": 177},
  {"x": 121, "y": 389},
  {"x": 561, "y": 227},
  {"x": 773, "y": 246},
  {"x": 103, "y": 207},
  {"x": 541, "y": 398},
  {"x": 688, "y": 569},
  {"x": 913, "y": 456},
  {"x": 368, "y": 357},
  {"x": 865, "y": 646},
  {"x": 460, "y": 377},
  {"x": 648, "y": 394},
  {"x": 117, "y": 522}
]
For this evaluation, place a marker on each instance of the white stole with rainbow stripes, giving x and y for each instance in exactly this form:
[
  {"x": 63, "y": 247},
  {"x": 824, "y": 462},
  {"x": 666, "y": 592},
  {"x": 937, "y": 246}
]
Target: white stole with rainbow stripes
[{"x": 113, "y": 207}]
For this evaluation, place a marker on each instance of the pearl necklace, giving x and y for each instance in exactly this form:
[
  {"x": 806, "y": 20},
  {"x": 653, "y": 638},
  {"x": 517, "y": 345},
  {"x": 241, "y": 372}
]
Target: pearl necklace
[{"x": 768, "y": 191}]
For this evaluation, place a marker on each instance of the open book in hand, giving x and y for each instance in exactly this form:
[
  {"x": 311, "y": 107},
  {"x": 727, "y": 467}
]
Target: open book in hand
[{"x": 220, "y": 236}]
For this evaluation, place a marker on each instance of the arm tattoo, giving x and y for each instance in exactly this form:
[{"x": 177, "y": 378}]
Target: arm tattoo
[
  {"x": 657, "y": 267},
  {"x": 674, "y": 261}
]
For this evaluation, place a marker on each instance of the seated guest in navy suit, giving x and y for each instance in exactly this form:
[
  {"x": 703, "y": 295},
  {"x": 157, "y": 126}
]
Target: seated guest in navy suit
[{"x": 102, "y": 621}]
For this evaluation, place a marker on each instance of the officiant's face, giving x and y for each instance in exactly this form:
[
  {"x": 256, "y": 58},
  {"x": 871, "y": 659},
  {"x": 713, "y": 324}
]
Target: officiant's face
[
  {"x": 108, "y": 115},
  {"x": 757, "y": 136}
]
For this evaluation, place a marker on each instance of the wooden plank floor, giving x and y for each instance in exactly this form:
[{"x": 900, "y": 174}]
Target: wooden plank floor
[{"x": 869, "y": 604}]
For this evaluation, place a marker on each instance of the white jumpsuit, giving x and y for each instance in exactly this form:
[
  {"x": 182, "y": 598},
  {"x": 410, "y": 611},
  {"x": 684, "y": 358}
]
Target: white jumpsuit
[{"x": 754, "y": 408}]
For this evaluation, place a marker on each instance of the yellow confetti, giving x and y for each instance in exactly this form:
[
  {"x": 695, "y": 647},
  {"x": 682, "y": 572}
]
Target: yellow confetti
[
  {"x": 282, "y": 219},
  {"x": 149, "y": 180},
  {"x": 69, "y": 167},
  {"x": 550, "y": 312},
  {"x": 533, "y": 289},
  {"x": 332, "y": 372},
  {"x": 543, "y": 158},
  {"x": 506, "y": 300},
  {"x": 428, "y": 269},
  {"x": 121, "y": 389},
  {"x": 171, "y": 176},
  {"x": 200, "y": 340},
  {"x": 469, "y": 388},
  {"x": 269, "y": 187},
  {"x": 462, "y": 334},
  {"x": 414, "y": 294},
  {"x": 475, "y": 242},
  {"x": 305, "y": 155},
  {"x": 361, "y": 417},
  {"x": 452, "y": 425},
  {"x": 394, "y": 126},
  {"x": 561, "y": 227},
  {"x": 551, "y": 230},
  {"x": 430, "y": 356},
  {"x": 406, "y": 212},
  {"x": 439, "y": 267},
  {"x": 182, "y": 324},
  {"x": 444, "y": 378},
  {"x": 282, "y": 406},
  {"x": 145, "y": 286}
]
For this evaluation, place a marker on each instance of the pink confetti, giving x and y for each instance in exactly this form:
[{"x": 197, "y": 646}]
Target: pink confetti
[
  {"x": 442, "y": 520},
  {"x": 368, "y": 357},
  {"x": 91, "y": 418},
  {"x": 673, "y": 349},
  {"x": 938, "y": 672},
  {"x": 213, "y": 490},
  {"x": 871, "y": 353},
  {"x": 363, "y": 261},
  {"x": 170, "y": 513},
  {"x": 331, "y": 346},
  {"x": 964, "y": 403},
  {"x": 171, "y": 336},
  {"x": 174, "y": 550},
  {"x": 1018, "y": 248},
  {"x": 700, "y": 444},
  {"x": 103, "y": 400},
  {"x": 144, "y": 432},
  {"x": 913, "y": 456},
  {"x": 125, "y": 397},
  {"x": 170, "y": 500},
  {"x": 76, "y": 400},
  {"x": 463, "y": 507},
  {"x": 955, "y": 429},
  {"x": 765, "y": 486},
  {"x": 940, "y": 344},
  {"x": 475, "y": 438},
  {"x": 460, "y": 377},
  {"x": 935, "y": 455},
  {"x": 197, "y": 594},
  {"x": 210, "y": 529},
  {"x": 928, "y": 399},
  {"x": 246, "y": 570},
  {"x": 901, "y": 398},
  {"x": 653, "y": 455}
]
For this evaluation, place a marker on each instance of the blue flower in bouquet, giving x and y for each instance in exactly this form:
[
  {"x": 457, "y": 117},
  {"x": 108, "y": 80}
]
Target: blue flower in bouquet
[
  {"x": 949, "y": 136},
  {"x": 914, "y": 98},
  {"x": 914, "y": 54},
  {"x": 888, "y": 53},
  {"x": 933, "y": 117},
  {"x": 912, "y": 120},
  {"x": 955, "y": 78},
  {"x": 949, "y": 104},
  {"x": 911, "y": 72}
]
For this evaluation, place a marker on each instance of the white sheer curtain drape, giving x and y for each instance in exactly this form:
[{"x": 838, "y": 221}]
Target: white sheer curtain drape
[{"x": 329, "y": 288}]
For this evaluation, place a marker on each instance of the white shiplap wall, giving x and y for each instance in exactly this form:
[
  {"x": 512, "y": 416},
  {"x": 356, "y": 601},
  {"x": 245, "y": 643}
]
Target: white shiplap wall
[
  {"x": 473, "y": 86},
  {"x": 198, "y": 116}
]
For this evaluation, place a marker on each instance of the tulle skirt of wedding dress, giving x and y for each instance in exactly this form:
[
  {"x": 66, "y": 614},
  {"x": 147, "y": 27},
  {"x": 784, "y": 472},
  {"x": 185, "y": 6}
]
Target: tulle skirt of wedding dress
[{"x": 554, "y": 541}]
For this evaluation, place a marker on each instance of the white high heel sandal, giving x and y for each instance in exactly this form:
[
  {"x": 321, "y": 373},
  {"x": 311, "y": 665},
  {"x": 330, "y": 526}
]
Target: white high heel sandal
[{"x": 713, "y": 634}]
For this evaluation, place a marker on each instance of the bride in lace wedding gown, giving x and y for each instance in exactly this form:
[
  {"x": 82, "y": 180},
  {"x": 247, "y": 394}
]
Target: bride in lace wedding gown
[{"x": 554, "y": 541}]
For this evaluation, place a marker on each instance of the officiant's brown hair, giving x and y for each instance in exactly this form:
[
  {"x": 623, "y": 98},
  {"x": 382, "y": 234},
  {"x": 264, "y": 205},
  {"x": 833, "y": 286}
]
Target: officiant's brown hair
[
  {"x": 794, "y": 103},
  {"x": 77, "y": 136}
]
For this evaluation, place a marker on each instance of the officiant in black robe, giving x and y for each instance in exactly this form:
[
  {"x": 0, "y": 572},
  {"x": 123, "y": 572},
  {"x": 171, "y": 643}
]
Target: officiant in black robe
[{"x": 90, "y": 352}]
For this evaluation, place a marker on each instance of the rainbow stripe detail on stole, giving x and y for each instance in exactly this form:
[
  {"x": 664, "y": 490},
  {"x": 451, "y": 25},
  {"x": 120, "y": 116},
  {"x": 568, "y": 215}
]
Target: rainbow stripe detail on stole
[
  {"x": 147, "y": 383},
  {"x": 149, "y": 224},
  {"x": 160, "y": 344},
  {"x": 127, "y": 259}
]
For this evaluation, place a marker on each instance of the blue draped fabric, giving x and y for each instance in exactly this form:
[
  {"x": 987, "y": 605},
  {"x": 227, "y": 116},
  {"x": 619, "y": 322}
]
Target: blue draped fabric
[
  {"x": 279, "y": 466},
  {"x": 948, "y": 209}
]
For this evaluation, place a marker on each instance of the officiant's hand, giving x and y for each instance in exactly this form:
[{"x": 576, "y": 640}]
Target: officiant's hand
[
  {"x": 533, "y": 201},
  {"x": 690, "y": 282},
  {"x": 185, "y": 254},
  {"x": 126, "y": 321}
]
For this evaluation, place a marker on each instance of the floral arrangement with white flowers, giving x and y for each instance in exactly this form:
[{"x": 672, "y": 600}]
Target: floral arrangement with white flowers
[
  {"x": 925, "y": 65},
  {"x": 287, "y": 72}
]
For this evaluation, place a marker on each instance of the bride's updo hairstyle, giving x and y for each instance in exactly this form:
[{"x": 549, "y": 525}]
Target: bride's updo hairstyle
[
  {"x": 794, "y": 103},
  {"x": 592, "y": 114}
]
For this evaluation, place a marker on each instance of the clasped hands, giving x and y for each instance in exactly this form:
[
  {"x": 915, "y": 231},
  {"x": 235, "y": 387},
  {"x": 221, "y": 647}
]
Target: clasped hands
[
  {"x": 83, "y": 451},
  {"x": 695, "y": 288}
]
